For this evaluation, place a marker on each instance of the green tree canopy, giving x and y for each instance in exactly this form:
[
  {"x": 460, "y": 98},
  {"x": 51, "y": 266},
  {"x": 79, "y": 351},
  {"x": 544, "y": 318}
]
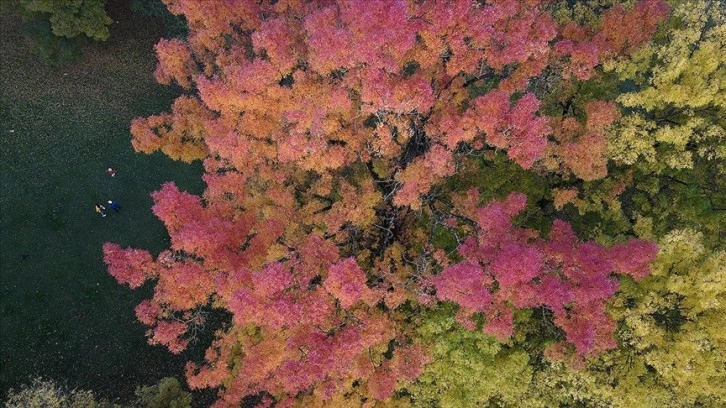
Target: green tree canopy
[{"x": 71, "y": 18}]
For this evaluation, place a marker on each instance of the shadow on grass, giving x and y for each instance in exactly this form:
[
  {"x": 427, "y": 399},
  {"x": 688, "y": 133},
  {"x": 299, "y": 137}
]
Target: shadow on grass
[{"x": 61, "y": 315}]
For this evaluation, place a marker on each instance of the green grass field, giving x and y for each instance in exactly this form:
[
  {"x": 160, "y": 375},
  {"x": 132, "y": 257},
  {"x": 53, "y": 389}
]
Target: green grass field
[{"x": 61, "y": 315}]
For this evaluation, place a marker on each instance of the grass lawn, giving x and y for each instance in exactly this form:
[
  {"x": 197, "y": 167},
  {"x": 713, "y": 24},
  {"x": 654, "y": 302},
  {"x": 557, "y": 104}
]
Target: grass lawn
[{"x": 61, "y": 315}]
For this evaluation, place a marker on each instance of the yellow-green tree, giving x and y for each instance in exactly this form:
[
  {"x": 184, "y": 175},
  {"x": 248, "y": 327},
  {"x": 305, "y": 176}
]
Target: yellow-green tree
[
  {"x": 672, "y": 345},
  {"x": 673, "y": 323},
  {"x": 679, "y": 105},
  {"x": 42, "y": 393},
  {"x": 469, "y": 368},
  {"x": 167, "y": 393}
]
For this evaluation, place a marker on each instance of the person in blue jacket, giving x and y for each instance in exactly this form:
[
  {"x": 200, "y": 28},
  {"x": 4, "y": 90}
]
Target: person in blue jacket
[{"x": 114, "y": 205}]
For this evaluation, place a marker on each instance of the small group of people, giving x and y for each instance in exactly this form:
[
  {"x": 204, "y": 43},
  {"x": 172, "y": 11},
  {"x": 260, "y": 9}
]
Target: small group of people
[
  {"x": 111, "y": 204},
  {"x": 114, "y": 205}
]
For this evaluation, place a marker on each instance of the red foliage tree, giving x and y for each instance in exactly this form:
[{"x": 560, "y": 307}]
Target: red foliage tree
[
  {"x": 581, "y": 147},
  {"x": 324, "y": 126},
  {"x": 506, "y": 267}
]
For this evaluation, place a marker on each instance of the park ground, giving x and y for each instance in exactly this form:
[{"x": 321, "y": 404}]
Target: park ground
[{"x": 61, "y": 315}]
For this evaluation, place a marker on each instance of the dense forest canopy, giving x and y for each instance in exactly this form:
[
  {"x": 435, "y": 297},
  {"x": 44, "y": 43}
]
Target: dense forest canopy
[{"x": 444, "y": 203}]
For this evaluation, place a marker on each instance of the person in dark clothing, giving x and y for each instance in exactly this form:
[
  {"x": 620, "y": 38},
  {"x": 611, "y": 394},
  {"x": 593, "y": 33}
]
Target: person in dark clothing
[{"x": 114, "y": 205}]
